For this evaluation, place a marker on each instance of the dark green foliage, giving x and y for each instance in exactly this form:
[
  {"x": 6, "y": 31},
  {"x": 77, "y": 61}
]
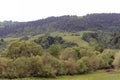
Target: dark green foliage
[
  {"x": 101, "y": 40},
  {"x": 24, "y": 38},
  {"x": 2, "y": 44},
  {"x": 68, "y": 44},
  {"x": 89, "y": 36},
  {"x": 106, "y": 22},
  {"x": 47, "y": 41},
  {"x": 115, "y": 40}
]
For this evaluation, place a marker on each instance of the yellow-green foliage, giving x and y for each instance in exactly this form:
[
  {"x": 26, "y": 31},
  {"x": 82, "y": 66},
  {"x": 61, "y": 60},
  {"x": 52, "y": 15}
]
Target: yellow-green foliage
[
  {"x": 116, "y": 61},
  {"x": 17, "y": 49}
]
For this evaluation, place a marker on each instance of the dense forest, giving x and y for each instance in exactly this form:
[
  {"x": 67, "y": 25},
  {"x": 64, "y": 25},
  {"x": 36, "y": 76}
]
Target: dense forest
[
  {"x": 106, "y": 22},
  {"x": 55, "y": 46}
]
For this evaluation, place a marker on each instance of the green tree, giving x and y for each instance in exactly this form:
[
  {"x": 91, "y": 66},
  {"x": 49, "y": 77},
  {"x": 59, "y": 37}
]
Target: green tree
[
  {"x": 55, "y": 50},
  {"x": 17, "y": 49}
]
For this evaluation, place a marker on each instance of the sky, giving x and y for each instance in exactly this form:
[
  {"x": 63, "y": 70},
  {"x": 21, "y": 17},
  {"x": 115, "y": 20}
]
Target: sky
[{"x": 28, "y": 10}]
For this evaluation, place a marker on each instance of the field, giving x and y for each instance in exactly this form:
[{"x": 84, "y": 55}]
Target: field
[{"x": 99, "y": 75}]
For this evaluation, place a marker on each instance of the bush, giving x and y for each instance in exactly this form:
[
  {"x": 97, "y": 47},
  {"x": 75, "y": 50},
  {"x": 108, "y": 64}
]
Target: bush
[
  {"x": 18, "y": 49},
  {"x": 116, "y": 61},
  {"x": 34, "y": 66},
  {"x": 18, "y": 68},
  {"x": 86, "y": 52},
  {"x": 55, "y": 50},
  {"x": 108, "y": 57},
  {"x": 81, "y": 66},
  {"x": 52, "y": 66},
  {"x": 71, "y": 66},
  {"x": 68, "y": 53},
  {"x": 90, "y": 63},
  {"x": 3, "y": 66}
]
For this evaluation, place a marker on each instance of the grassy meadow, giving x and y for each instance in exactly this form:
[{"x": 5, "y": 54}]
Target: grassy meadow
[{"x": 98, "y": 75}]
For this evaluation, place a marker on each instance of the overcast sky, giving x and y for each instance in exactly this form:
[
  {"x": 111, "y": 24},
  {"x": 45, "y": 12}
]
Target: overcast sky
[{"x": 27, "y": 10}]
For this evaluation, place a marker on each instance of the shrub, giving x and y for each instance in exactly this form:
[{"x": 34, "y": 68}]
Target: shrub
[
  {"x": 90, "y": 63},
  {"x": 52, "y": 66},
  {"x": 18, "y": 68},
  {"x": 3, "y": 66},
  {"x": 71, "y": 66},
  {"x": 108, "y": 57},
  {"x": 68, "y": 53},
  {"x": 86, "y": 52},
  {"x": 55, "y": 50},
  {"x": 36, "y": 66},
  {"x": 18, "y": 49},
  {"x": 116, "y": 61},
  {"x": 81, "y": 66}
]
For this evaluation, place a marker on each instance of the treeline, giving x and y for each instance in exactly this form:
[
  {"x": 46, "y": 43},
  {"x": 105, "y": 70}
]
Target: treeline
[
  {"x": 107, "y": 22},
  {"x": 28, "y": 59}
]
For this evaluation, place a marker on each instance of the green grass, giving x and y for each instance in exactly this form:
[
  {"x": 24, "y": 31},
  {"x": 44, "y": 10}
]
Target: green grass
[
  {"x": 70, "y": 37},
  {"x": 99, "y": 75}
]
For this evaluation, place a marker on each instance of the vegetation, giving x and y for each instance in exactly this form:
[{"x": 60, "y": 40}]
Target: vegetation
[
  {"x": 98, "y": 75},
  {"x": 25, "y": 59},
  {"x": 107, "y": 22},
  {"x": 58, "y": 46}
]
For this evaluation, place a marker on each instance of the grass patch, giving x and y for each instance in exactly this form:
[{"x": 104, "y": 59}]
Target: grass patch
[{"x": 98, "y": 75}]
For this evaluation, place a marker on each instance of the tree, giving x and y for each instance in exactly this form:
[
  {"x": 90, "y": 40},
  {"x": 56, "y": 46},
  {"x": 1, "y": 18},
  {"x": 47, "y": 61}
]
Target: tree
[
  {"x": 2, "y": 40},
  {"x": 55, "y": 50},
  {"x": 17, "y": 49}
]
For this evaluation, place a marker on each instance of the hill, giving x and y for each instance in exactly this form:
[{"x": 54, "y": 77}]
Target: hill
[{"x": 104, "y": 21}]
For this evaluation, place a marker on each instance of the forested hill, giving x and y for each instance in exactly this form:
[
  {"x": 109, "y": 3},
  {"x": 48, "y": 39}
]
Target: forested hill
[{"x": 104, "y": 21}]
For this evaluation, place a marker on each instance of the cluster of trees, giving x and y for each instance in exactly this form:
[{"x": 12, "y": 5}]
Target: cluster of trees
[
  {"x": 101, "y": 39},
  {"x": 46, "y": 41},
  {"x": 28, "y": 59},
  {"x": 107, "y": 22}
]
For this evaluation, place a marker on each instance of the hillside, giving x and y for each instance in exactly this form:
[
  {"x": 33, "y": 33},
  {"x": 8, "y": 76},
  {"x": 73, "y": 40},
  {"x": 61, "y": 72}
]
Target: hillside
[
  {"x": 107, "y": 22},
  {"x": 56, "y": 46}
]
